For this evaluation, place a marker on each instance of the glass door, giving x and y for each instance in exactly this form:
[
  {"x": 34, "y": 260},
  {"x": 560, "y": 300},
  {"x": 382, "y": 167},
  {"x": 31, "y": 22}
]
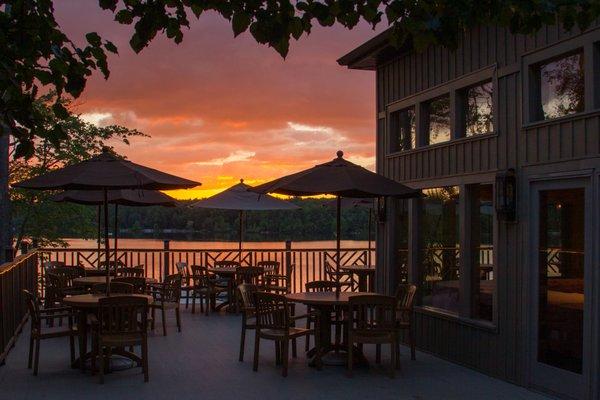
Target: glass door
[{"x": 562, "y": 226}]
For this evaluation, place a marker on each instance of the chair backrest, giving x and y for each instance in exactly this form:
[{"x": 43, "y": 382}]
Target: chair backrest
[
  {"x": 55, "y": 285},
  {"x": 226, "y": 264},
  {"x": 182, "y": 269},
  {"x": 171, "y": 289},
  {"x": 320, "y": 286},
  {"x": 272, "y": 311},
  {"x": 200, "y": 276},
  {"x": 131, "y": 271},
  {"x": 330, "y": 272},
  {"x": 270, "y": 267},
  {"x": 139, "y": 284},
  {"x": 252, "y": 275},
  {"x": 405, "y": 294},
  {"x": 112, "y": 264},
  {"x": 33, "y": 307},
  {"x": 115, "y": 287},
  {"x": 68, "y": 273},
  {"x": 123, "y": 315},
  {"x": 372, "y": 313},
  {"x": 48, "y": 265},
  {"x": 246, "y": 294}
]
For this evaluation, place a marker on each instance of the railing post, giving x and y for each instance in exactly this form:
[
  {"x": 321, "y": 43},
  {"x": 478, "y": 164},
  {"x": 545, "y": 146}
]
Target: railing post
[
  {"x": 166, "y": 258},
  {"x": 288, "y": 260}
]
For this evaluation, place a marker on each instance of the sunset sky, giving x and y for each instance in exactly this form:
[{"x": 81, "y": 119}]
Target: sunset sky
[{"x": 220, "y": 108}]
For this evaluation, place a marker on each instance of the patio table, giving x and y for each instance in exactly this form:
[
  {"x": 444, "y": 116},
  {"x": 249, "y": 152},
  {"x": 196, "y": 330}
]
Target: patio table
[
  {"x": 229, "y": 274},
  {"x": 324, "y": 303},
  {"x": 89, "y": 281},
  {"x": 86, "y": 304},
  {"x": 366, "y": 276}
]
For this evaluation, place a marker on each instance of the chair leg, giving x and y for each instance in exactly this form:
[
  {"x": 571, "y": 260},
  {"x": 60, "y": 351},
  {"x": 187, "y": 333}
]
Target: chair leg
[
  {"x": 256, "y": 350},
  {"x": 393, "y": 359},
  {"x": 164, "y": 321},
  {"x": 194, "y": 302},
  {"x": 206, "y": 299},
  {"x": 242, "y": 340},
  {"x": 30, "y": 352},
  {"x": 102, "y": 359},
  {"x": 294, "y": 349},
  {"x": 145, "y": 358},
  {"x": 178, "y": 316},
  {"x": 72, "y": 348},
  {"x": 411, "y": 339},
  {"x": 286, "y": 356},
  {"x": 36, "y": 360},
  {"x": 350, "y": 360},
  {"x": 153, "y": 316},
  {"x": 378, "y": 354},
  {"x": 277, "y": 352},
  {"x": 307, "y": 341}
]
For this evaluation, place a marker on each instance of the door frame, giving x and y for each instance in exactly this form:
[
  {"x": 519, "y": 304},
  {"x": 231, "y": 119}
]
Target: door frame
[{"x": 541, "y": 376}]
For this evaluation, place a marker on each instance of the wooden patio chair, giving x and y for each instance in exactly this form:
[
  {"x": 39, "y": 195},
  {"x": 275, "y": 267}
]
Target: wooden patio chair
[
  {"x": 204, "y": 288},
  {"x": 270, "y": 267},
  {"x": 372, "y": 320},
  {"x": 274, "y": 322},
  {"x": 405, "y": 295},
  {"x": 166, "y": 297},
  {"x": 246, "y": 299},
  {"x": 186, "y": 282},
  {"x": 279, "y": 283},
  {"x": 37, "y": 334},
  {"x": 115, "y": 287},
  {"x": 49, "y": 265},
  {"x": 345, "y": 279},
  {"x": 121, "y": 321},
  {"x": 311, "y": 317},
  {"x": 135, "y": 272},
  {"x": 138, "y": 283}
]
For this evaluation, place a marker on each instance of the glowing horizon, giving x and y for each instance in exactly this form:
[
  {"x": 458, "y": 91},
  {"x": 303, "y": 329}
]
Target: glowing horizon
[{"x": 220, "y": 108}]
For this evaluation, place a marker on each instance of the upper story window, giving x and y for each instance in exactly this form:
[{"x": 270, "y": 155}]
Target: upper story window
[
  {"x": 403, "y": 129},
  {"x": 560, "y": 86},
  {"x": 478, "y": 109},
  {"x": 438, "y": 123}
]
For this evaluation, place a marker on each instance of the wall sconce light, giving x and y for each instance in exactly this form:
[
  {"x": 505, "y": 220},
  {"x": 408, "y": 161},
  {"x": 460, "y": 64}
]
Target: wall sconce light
[
  {"x": 381, "y": 210},
  {"x": 506, "y": 195}
]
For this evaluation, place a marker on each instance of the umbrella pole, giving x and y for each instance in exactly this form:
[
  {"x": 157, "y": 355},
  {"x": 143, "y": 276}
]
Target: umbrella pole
[
  {"x": 370, "y": 222},
  {"x": 99, "y": 235},
  {"x": 106, "y": 244},
  {"x": 116, "y": 232},
  {"x": 338, "y": 234},
  {"x": 241, "y": 234}
]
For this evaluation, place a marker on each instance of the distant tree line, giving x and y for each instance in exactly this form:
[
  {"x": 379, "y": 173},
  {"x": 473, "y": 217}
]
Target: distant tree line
[{"x": 313, "y": 221}]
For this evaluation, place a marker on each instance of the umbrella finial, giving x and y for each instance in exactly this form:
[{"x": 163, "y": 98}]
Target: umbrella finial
[
  {"x": 105, "y": 149},
  {"x": 241, "y": 180},
  {"x": 340, "y": 154}
]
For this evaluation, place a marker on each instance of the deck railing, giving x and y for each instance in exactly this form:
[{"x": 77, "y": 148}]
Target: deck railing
[
  {"x": 14, "y": 277},
  {"x": 309, "y": 263}
]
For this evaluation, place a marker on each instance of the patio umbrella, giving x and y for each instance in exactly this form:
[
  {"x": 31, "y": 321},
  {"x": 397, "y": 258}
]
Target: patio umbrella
[
  {"x": 125, "y": 197},
  {"x": 106, "y": 172},
  {"x": 240, "y": 199},
  {"x": 358, "y": 203},
  {"x": 341, "y": 178}
]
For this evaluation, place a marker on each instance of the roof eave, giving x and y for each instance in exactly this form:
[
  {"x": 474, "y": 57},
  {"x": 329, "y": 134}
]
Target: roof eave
[{"x": 365, "y": 56}]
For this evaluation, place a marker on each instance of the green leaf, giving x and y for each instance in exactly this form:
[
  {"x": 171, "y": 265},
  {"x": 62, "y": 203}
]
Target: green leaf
[
  {"x": 240, "y": 22},
  {"x": 45, "y": 77},
  {"x": 60, "y": 111},
  {"x": 124, "y": 17},
  {"x": 94, "y": 39},
  {"x": 110, "y": 46}
]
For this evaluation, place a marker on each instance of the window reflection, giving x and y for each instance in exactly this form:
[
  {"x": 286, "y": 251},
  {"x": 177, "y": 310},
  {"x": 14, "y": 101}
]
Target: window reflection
[
  {"x": 561, "y": 86},
  {"x": 440, "y": 248},
  {"x": 482, "y": 236},
  {"x": 479, "y": 110},
  {"x": 403, "y": 130},
  {"x": 438, "y": 120}
]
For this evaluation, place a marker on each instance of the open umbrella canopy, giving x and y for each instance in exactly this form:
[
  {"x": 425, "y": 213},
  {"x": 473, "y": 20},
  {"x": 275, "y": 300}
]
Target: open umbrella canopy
[
  {"x": 123, "y": 197},
  {"x": 106, "y": 171},
  {"x": 337, "y": 177},
  {"x": 239, "y": 198},
  {"x": 348, "y": 202}
]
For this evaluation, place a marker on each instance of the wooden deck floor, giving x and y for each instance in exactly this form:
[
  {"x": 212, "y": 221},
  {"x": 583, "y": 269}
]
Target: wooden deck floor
[{"x": 201, "y": 363}]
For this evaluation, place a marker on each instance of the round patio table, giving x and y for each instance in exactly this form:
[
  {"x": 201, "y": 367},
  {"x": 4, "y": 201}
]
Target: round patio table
[
  {"x": 229, "y": 274},
  {"x": 366, "y": 276},
  {"x": 85, "y": 304},
  {"x": 89, "y": 281},
  {"x": 325, "y": 303}
]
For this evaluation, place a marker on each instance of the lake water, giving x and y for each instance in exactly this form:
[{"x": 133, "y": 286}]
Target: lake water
[{"x": 200, "y": 245}]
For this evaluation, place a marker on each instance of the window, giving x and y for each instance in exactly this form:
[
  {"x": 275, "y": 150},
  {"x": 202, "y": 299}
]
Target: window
[
  {"x": 403, "y": 129},
  {"x": 478, "y": 109},
  {"x": 560, "y": 87},
  {"x": 440, "y": 235},
  {"x": 438, "y": 120},
  {"x": 482, "y": 251}
]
